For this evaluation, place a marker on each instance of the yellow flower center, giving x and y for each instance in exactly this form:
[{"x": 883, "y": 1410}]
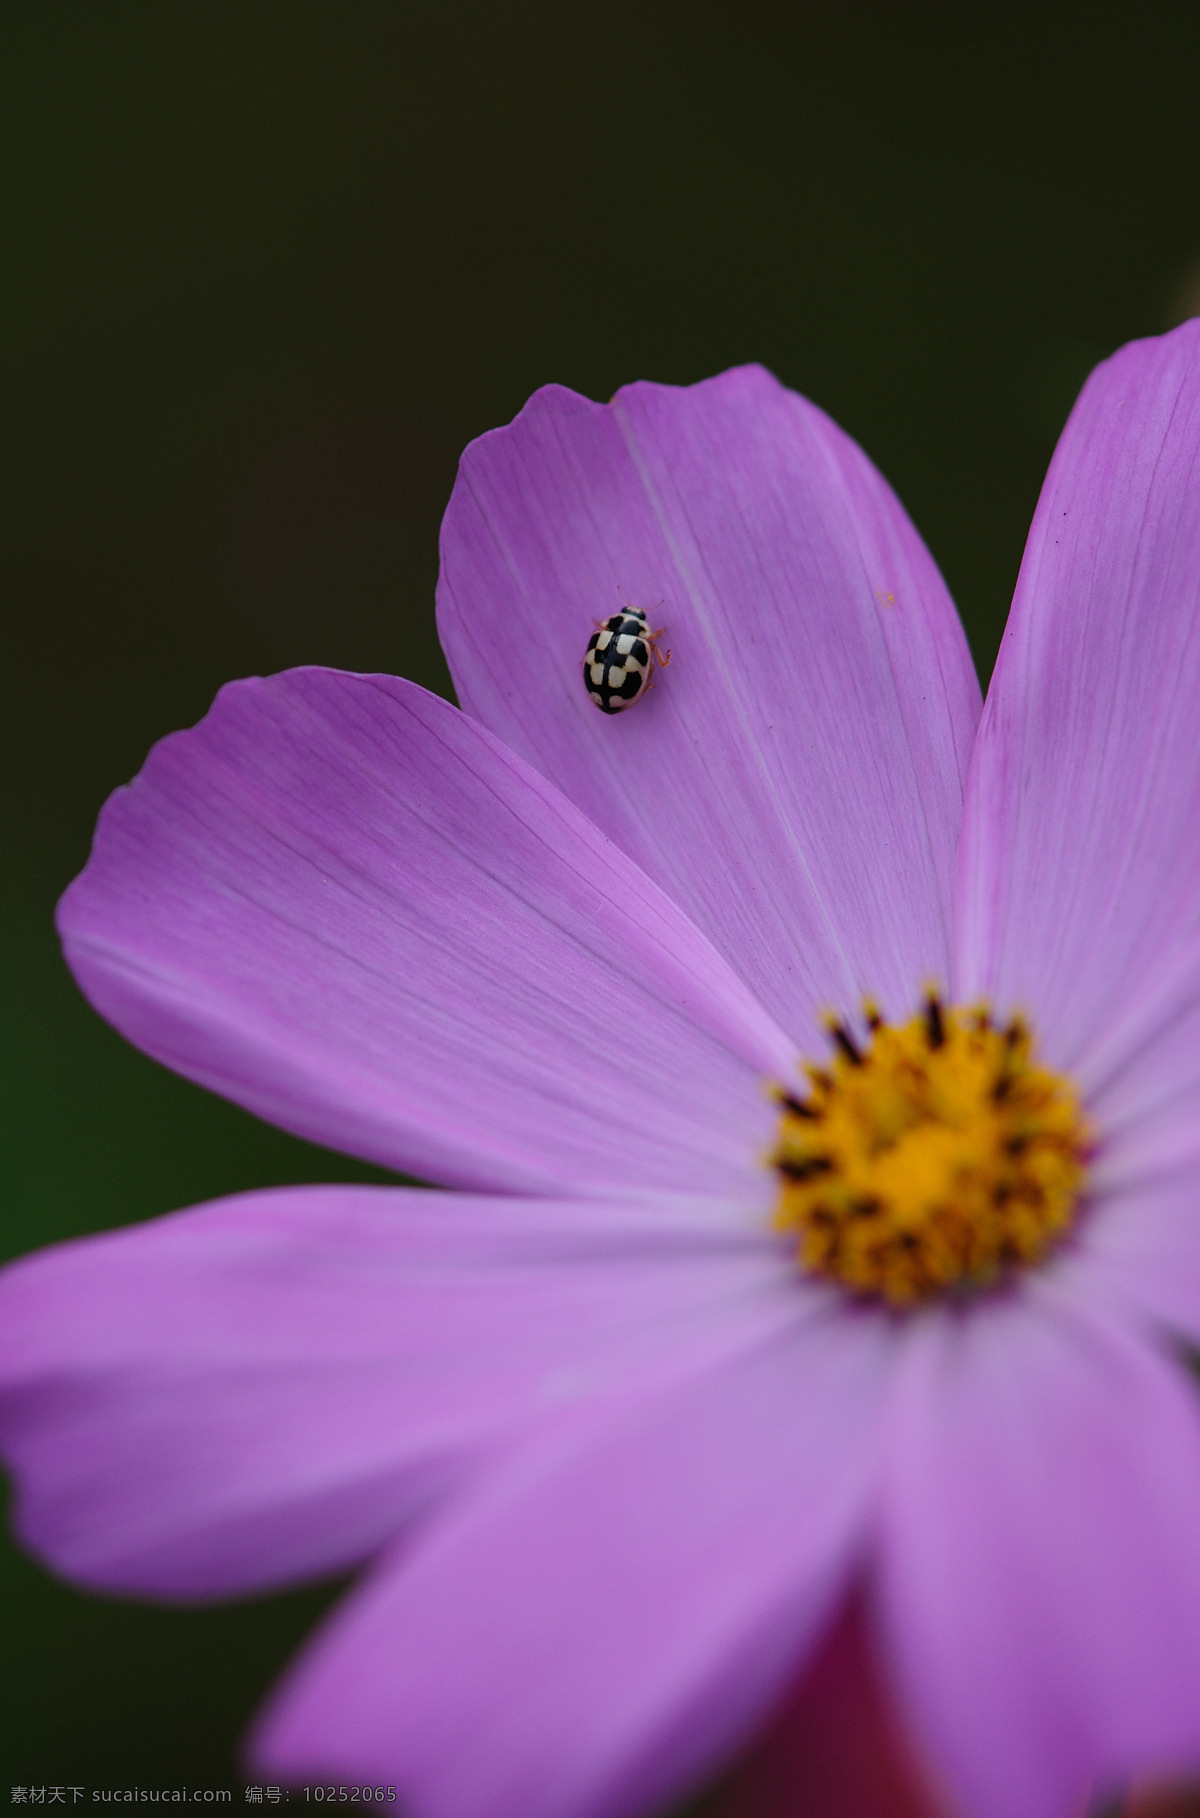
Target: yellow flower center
[{"x": 930, "y": 1159}]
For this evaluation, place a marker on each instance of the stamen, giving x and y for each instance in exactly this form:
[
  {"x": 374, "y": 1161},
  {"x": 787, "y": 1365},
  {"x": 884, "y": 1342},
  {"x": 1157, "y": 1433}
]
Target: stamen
[
  {"x": 933, "y": 1021},
  {"x": 934, "y": 1159},
  {"x": 846, "y": 1044},
  {"x": 796, "y": 1106},
  {"x": 805, "y": 1170}
]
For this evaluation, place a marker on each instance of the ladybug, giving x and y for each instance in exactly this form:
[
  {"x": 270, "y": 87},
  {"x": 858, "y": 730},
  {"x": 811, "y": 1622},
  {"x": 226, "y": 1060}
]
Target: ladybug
[{"x": 616, "y": 666}]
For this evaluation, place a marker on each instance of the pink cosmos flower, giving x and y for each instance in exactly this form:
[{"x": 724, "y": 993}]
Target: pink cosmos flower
[{"x": 612, "y": 1454}]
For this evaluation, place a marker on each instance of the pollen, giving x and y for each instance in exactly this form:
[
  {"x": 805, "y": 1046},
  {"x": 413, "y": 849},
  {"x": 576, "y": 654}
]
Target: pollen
[{"x": 934, "y": 1157}]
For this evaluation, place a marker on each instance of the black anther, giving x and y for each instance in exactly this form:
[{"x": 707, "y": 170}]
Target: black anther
[
  {"x": 805, "y": 1170},
  {"x": 935, "y": 1028}
]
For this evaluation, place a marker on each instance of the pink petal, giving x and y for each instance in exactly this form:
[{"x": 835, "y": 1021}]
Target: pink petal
[
  {"x": 795, "y": 778},
  {"x": 610, "y": 1616},
  {"x": 1139, "y": 1250},
  {"x": 1080, "y": 866},
  {"x": 270, "y": 1386},
  {"x": 1041, "y": 1574},
  {"x": 1142, "y": 1075},
  {"x": 341, "y": 903}
]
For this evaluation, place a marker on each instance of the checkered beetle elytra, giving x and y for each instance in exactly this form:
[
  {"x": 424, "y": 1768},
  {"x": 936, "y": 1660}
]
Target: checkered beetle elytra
[{"x": 617, "y": 665}]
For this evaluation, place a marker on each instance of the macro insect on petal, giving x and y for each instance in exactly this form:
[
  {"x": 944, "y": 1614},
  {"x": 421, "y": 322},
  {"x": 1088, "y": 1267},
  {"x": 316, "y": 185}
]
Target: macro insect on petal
[{"x": 616, "y": 665}]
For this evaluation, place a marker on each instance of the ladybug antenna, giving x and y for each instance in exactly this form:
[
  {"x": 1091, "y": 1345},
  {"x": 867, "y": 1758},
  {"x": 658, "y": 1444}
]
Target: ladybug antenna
[{"x": 629, "y": 605}]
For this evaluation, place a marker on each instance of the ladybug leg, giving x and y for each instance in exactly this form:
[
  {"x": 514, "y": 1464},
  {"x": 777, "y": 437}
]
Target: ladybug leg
[{"x": 652, "y": 638}]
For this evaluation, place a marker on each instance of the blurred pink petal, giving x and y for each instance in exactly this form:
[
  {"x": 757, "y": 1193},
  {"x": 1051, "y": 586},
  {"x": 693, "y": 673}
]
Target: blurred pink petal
[
  {"x": 272, "y": 1385},
  {"x": 1040, "y": 1572},
  {"x": 605, "y": 1619}
]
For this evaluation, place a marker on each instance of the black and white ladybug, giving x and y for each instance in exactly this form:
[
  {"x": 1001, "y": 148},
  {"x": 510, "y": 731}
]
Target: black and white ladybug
[{"x": 617, "y": 665}]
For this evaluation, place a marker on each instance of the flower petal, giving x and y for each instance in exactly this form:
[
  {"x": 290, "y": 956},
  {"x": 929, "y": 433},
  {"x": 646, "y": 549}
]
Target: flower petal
[
  {"x": 1041, "y": 1575},
  {"x": 795, "y": 778},
  {"x": 1142, "y": 1075},
  {"x": 343, "y": 904},
  {"x": 613, "y": 1613},
  {"x": 270, "y": 1386},
  {"x": 1079, "y": 882},
  {"x": 1139, "y": 1249}
]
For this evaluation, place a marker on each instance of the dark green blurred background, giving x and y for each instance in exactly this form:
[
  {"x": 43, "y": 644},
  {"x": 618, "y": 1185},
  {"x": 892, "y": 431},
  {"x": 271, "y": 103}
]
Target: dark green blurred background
[{"x": 268, "y": 267}]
